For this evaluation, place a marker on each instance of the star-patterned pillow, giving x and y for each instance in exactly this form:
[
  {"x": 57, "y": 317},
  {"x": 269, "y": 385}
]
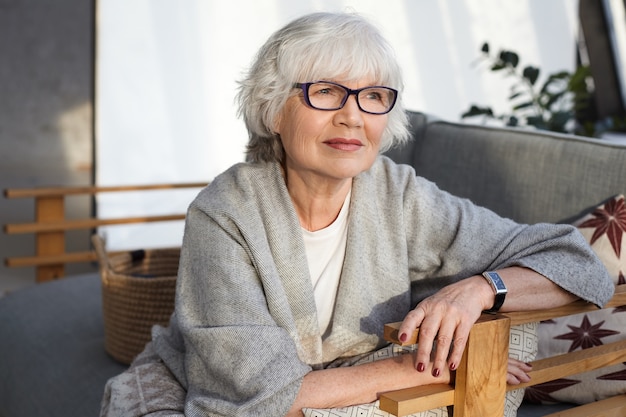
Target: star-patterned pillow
[{"x": 605, "y": 229}]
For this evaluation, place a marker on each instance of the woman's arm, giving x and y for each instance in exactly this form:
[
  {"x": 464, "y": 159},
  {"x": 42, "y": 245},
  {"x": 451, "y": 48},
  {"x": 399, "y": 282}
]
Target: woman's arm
[
  {"x": 345, "y": 386},
  {"x": 447, "y": 316}
]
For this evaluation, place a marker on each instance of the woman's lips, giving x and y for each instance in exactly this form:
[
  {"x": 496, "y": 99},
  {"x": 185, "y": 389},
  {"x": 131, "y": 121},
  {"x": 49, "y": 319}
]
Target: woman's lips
[{"x": 345, "y": 144}]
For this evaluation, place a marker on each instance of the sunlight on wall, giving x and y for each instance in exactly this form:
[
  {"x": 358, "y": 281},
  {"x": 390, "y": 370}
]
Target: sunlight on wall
[
  {"x": 167, "y": 72},
  {"x": 73, "y": 127}
]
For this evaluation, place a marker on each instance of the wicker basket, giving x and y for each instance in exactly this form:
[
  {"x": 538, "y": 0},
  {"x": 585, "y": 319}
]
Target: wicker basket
[{"x": 138, "y": 291}]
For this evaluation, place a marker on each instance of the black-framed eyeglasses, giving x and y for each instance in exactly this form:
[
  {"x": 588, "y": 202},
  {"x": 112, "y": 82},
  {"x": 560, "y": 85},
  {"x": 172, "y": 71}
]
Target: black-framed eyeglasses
[{"x": 326, "y": 95}]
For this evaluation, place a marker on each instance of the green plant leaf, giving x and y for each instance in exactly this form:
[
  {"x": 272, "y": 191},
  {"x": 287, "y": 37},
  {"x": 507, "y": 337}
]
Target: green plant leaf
[
  {"x": 556, "y": 105},
  {"x": 558, "y": 121},
  {"x": 578, "y": 81},
  {"x": 537, "y": 121},
  {"x": 523, "y": 105},
  {"x": 477, "y": 111},
  {"x": 512, "y": 121},
  {"x": 531, "y": 74},
  {"x": 552, "y": 98},
  {"x": 561, "y": 75},
  {"x": 558, "y": 81},
  {"x": 509, "y": 58}
]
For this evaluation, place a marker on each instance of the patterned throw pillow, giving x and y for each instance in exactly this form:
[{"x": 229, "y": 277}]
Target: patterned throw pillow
[
  {"x": 522, "y": 346},
  {"x": 605, "y": 230}
]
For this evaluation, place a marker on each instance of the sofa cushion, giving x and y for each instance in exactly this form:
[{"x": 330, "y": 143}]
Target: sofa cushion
[
  {"x": 52, "y": 349},
  {"x": 605, "y": 229},
  {"x": 527, "y": 175}
]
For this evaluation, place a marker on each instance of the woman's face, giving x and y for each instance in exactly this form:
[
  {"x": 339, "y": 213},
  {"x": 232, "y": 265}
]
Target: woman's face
[{"x": 335, "y": 145}]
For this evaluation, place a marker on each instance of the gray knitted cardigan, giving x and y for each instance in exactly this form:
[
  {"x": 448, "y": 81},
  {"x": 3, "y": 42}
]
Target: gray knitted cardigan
[{"x": 245, "y": 330}]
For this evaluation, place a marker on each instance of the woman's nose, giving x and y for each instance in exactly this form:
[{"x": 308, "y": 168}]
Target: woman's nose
[{"x": 350, "y": 114}]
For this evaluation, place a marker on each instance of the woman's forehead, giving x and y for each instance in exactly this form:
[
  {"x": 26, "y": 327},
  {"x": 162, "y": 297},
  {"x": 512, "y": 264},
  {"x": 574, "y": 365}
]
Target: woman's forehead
[{"x": 342, "y": 77}]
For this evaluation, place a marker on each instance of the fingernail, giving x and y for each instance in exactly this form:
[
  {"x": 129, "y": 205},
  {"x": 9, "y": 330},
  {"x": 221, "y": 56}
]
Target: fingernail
[
  {"x": 421, "y": 367},
  {"x": 453, "y": 366},
  {"x": 403, "y": 337},
  {"x": 529, "y": 364},
  {"x": 436, "y": 372}
]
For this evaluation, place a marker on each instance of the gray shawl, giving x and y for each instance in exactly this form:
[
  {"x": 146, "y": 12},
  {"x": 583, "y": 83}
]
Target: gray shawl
[{"x": 245, "y": 329}]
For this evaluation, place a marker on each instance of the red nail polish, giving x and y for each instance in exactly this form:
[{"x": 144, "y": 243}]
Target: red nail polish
[
  {"x": 436, "y": 373},
  {"x": 421, "y": 367},
  {"x": 453, "y": 366},
  {"x": 403, "y": 337}
]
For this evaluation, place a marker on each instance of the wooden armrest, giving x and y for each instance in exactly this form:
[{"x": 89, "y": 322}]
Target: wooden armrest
[
  {"x": 478, "y": 389},
  {"x": 89, "y": 190},
  {"x": 85, "y": 224},
  {"x": 417, "y": 399},
  {"x": 480, "y": 384}
]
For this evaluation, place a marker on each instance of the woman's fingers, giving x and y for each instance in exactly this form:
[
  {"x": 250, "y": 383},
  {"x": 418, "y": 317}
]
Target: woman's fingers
[
  {"x": 517, "y": 372},
  {"x": 444, "y": 330},
  {"x": 444, "y": 320},
  {"x": 458, "y": 344},
  {"x": 411, "y": 321}
]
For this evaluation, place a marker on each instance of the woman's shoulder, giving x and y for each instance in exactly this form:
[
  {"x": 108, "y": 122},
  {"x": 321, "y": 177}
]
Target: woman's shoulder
[
  {"x": 401, "y": 186},
  {"x": 390, "y": 175},
  {"x": 239, "y": 183}
]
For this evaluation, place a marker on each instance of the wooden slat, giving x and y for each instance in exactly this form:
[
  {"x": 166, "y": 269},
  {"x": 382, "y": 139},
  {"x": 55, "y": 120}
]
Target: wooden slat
[
  {"x": 390, "y": 334},
  {"x": 63, "y": 258},
  {"x": 480, "y": 384},
  {"x": 416, "y": 399},
  {"x": 50, "y": 225},
  {"x": 572, "y": 363},
  {"x": 69, "y": 257},
  {"x": 610, "y": 407},
  {"x": 85, "y": 224},
  {"x": 390, "y": 330},
  {"x": 62, "y": 191},
  {"x": 49, "y": 210}
]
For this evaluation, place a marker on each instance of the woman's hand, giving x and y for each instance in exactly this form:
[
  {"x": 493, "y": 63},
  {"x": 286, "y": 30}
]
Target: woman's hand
[
  {"x": 517, "y": 372},
  {"x": 445, "y": 319}
]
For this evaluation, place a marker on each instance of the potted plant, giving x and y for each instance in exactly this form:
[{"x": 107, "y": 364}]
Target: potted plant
[{"x": 562, "y": 103}]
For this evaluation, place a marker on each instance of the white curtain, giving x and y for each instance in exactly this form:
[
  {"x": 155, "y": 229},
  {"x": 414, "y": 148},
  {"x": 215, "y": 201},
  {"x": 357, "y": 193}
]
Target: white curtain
[{"x": 167, "y": 70}]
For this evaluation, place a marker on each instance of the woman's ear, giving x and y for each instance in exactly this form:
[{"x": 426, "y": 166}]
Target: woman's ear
[{"x": 276, "y": 124}]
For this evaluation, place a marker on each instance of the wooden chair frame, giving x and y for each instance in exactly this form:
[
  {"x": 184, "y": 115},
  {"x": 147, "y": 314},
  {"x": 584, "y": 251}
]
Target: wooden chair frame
[
  {"x": 51, "y": 225},
  {"x": 480, "y": 387}
]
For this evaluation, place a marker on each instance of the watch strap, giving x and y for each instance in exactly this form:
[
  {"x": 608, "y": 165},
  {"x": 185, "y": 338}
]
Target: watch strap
[{"x": 499, "y": 288}]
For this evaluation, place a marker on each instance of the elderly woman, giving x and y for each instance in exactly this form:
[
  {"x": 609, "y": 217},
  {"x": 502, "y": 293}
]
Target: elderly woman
[{"x": 292, "y": 262}]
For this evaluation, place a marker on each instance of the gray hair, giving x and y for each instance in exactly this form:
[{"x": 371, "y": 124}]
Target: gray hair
[{"x": 318, "y": 46}]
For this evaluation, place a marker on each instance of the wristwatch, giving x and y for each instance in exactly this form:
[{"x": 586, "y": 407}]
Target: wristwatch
[{"x": 499, "y": 288}]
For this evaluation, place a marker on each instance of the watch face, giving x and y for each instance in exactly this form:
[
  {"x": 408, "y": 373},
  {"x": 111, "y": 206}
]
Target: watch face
[{"x": 497, "y": 282}]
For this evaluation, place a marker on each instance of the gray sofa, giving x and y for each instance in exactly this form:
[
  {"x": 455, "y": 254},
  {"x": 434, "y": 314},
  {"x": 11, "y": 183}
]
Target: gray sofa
[{"x": 52, "y": 359}]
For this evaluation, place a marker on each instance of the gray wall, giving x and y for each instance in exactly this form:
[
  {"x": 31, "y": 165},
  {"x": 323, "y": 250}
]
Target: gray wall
[{"x": 46, "y": 115}]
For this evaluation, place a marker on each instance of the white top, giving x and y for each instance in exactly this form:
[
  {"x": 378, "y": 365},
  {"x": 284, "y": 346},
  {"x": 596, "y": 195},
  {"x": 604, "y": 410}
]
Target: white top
[{"x": 325, "y": 251}]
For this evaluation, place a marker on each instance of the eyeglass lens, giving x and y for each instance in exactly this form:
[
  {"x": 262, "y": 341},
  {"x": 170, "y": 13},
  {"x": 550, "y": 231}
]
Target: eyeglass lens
[{"x": 328, "y": 96}]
